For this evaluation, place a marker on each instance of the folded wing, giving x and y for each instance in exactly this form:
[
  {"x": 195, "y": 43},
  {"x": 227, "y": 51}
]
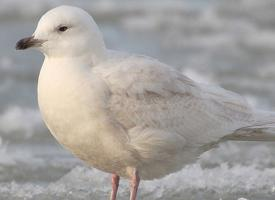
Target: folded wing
[{"x": 149, "y": 94}]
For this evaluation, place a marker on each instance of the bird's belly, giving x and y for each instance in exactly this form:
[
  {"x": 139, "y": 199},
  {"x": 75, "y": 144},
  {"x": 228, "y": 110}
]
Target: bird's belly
[{"x": 74, "y": 128}]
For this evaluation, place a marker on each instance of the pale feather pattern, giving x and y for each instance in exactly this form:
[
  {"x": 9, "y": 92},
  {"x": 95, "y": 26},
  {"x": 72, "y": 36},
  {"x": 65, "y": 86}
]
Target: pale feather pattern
[{"x": 165, "y": 113}]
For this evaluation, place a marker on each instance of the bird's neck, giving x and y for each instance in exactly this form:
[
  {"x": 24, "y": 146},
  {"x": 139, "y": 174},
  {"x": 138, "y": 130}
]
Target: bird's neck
[
  {"x": 98, "y": 56},
  {"x": 90, "y": 57}
]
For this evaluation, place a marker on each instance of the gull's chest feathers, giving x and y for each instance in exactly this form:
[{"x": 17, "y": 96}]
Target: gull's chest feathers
[
  {"x": 68, "y": 96},
  {"x": 72, "y": 101}
]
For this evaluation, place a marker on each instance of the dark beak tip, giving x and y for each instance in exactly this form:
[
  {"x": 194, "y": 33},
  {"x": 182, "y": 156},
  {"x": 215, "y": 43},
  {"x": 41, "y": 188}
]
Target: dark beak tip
[
  {"x": 19, "y": 45},
  {"x": 25, "y": 43}
]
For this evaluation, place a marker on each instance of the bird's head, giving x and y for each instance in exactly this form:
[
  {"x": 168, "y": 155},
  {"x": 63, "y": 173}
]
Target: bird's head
[{"x": 65, "y": 31}]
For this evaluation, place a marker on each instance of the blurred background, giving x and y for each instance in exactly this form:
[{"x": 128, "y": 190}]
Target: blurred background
[{"x": 225, "y": 42}]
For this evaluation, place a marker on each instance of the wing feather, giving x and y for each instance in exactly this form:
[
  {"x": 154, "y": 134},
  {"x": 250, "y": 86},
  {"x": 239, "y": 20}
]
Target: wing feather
[{"x": 147, "y": 93}]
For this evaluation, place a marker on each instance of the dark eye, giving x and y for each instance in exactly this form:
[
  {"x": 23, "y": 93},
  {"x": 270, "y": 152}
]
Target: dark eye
[{"x": 62, "y": 28}]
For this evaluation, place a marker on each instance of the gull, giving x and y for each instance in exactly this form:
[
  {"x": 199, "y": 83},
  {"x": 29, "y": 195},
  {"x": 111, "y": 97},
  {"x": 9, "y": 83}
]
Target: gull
[{"x": 130, "y": 115}]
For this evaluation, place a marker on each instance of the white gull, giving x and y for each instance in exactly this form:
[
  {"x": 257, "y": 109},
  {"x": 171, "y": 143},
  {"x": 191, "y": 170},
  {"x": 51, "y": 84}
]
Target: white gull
[{"x": 130, "y": 115}]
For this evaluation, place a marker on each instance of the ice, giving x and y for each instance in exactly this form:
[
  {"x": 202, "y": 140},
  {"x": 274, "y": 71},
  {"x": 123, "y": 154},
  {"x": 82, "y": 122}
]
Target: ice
[
  {"x": 17, "y": 119},
  {"x": 104, "y": 8},
  {"x": 193, "y": 182},
  {"x": 5, "y": 159}
]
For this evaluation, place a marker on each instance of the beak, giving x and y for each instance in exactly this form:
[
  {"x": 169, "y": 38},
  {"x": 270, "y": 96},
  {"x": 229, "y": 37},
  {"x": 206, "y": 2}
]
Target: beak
[{"x": 28, "y": 42}]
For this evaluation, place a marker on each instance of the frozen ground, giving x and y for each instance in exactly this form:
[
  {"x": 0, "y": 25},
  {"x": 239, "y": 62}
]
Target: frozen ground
[
  {"x": 226, "y": 42},
  {"x": 193, "y": 182}
]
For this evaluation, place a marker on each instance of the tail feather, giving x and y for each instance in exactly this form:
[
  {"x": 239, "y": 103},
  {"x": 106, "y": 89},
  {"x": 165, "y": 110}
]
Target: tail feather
[
  {"x": 264, "y": 120},
  {"x": 262, "y": 129}
]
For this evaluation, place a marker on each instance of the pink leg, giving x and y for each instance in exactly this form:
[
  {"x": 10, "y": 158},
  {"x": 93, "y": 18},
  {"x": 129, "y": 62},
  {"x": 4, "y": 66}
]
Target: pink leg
[
  {"x": 134, "y": 185},
  {"x": 115, "y": 184}
]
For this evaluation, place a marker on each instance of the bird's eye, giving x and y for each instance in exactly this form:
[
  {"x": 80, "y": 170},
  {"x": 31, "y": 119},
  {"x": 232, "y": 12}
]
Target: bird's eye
[{"x": 62, "y": 28}]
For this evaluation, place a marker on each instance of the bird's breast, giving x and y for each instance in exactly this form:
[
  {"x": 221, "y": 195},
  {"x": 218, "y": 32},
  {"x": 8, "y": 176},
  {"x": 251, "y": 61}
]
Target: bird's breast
[{"x": 71, "y": 101}]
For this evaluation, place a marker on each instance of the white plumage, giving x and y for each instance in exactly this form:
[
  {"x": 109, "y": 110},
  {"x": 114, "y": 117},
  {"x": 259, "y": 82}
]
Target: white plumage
[{"x": 121, "y": 112}]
